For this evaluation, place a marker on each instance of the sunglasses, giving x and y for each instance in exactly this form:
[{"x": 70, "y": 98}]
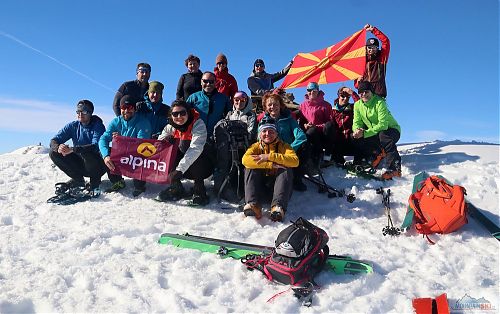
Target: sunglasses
[
  {"x": 344, "y": 95},
  {"x": 143, "y": 70},
  {"x": 311, "y": 90},
  {"x": 208, "y": 81},
  {"x": 181, "y": 113},
  {"x": 127, "y": 107},
  {"x": 220, "y": 63},
  {"x": 84, "y": 112},
  {"x": 259, "y": 65},
  {"x": 363, "y": 91}
]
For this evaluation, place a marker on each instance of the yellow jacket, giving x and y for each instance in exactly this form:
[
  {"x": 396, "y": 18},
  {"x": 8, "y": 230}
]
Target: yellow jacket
[{"x": 279, "y": 152}]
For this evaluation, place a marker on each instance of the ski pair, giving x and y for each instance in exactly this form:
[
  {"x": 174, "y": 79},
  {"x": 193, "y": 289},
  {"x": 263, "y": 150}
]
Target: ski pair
[{"x": 338, "y": 264}]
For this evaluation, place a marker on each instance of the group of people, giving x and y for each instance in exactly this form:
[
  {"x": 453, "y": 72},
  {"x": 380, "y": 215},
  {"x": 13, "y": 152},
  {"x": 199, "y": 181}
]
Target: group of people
[{"x": 283, "y": 145}]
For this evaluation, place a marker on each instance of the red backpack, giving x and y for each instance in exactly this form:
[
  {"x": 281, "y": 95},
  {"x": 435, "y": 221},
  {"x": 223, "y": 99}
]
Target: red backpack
[{"x": 439, "y": 207}]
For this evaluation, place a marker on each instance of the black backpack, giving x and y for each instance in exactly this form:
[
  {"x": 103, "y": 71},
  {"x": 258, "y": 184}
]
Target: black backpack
[
  {"x": 300, "y": 252},
  {"x": 231, "y": 141}
]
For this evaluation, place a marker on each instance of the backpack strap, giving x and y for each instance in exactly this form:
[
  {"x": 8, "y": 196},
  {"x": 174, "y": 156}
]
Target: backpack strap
[{"x": 438, "y": 187}]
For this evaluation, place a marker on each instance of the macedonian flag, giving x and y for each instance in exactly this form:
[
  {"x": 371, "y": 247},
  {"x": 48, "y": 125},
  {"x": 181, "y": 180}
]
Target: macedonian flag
[{"x": 343, "y": 61}]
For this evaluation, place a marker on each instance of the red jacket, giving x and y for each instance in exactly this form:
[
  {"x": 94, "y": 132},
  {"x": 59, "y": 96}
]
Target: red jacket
[
  {"x": 376, "y": 68},
  {"x": 316, "y": 111},
  {"x": 225, "y": 83}
]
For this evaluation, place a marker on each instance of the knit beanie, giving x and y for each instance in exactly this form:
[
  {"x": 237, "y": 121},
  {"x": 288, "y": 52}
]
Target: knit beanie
[
  {"x": 267, "y": 123},
  {"x": 372, "y": 42},
  {"x": 155, "y": 86},
  {"x": 259, "y": 61},
  {"x": 364, "y": 86},
  {"x": 221, "y": 58}
]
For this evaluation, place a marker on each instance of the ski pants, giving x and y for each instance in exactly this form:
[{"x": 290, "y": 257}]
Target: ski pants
[
  {"x": 304, "y": 153},
  {"x": 76, "y": 166},
  {"x": 202, "y": 168},
  {"x": 320, "y": 139},
  {"x": 370, "y": 147},
  {"x": 258, "y": 184}
]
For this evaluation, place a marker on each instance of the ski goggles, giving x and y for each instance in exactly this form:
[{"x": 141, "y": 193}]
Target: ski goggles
[{"x": 84, "y": 112}]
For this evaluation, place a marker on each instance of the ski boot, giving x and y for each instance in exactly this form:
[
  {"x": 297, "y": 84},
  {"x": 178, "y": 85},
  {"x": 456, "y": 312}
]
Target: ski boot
[{"x": 117, "y": 186}]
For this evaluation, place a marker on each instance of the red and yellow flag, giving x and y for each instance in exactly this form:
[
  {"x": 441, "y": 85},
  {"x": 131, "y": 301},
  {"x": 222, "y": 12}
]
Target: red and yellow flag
[{"x": 343, "y": 61}]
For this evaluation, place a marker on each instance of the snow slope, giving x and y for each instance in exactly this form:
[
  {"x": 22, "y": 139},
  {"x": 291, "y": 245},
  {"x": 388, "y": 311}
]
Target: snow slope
[{"x": 103, "y": 256}]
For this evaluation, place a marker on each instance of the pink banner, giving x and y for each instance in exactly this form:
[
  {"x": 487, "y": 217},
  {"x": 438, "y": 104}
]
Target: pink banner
[{"x": 143, "y": 159}]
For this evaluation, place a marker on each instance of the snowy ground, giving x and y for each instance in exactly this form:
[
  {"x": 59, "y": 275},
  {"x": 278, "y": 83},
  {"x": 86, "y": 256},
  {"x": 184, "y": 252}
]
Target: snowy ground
[{"x": 103, "y": 256}]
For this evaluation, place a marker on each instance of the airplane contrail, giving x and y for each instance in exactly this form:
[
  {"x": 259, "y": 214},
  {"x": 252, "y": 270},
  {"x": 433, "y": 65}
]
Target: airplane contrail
[{"x": 17, "y": 40}]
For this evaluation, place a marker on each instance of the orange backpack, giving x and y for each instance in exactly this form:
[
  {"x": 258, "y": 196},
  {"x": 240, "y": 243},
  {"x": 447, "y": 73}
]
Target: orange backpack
[{"x": 439, "y": 207}]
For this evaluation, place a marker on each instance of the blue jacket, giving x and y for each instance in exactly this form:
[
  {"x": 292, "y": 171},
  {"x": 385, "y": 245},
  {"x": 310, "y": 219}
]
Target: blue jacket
[
  {"x": 156, "y": 113},
  {"x": 138, "y": 127},
  {"x": 84, "y": 137},
  {"x": 289, "y": 130},
  {"x": 212, "y": 109}
]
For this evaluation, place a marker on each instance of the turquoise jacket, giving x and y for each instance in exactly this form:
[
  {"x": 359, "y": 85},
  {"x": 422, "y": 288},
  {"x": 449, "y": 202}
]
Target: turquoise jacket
[
  {"x": 289, "y": 130},
  {"x": 373, "y": 117},
  {"x": 138, "y": 127},
  {"x": 211, "y": 109}
]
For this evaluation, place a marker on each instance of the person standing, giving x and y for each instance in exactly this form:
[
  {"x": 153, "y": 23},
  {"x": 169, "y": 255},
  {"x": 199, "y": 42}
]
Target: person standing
[
  {"x": 154, "y": 109},
  {"x": 136, "y": 88},
  {"x": 83, "y": 159},
  {"x": 224, "y": 82},
  {"x": 189, "y": 82},
  {"x": 376, "y": 61},
  {"x": 210, "y": 104}
]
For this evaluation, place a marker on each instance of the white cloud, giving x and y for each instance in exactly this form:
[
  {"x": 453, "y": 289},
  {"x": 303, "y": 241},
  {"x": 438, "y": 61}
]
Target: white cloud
[
  {"x": 430, "y": 135},
  {"x": 32, "y": 115}
]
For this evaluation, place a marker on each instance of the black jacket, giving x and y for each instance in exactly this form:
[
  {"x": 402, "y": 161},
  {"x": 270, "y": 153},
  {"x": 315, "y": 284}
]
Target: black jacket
[
  {"x": 189, "y": 83},
  {"x": 131, "y": 88}
]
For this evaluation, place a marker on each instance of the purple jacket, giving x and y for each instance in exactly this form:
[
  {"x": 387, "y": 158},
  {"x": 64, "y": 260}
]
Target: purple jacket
[{"x": 317, "y": 111}]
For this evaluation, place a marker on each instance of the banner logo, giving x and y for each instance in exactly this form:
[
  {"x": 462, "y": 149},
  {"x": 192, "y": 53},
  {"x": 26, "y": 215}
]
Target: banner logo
[{"x": 146, "y": 149}]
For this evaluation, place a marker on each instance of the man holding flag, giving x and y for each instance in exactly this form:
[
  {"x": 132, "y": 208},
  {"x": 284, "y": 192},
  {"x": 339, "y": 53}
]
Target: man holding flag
[{"x": 127, "y": 124}]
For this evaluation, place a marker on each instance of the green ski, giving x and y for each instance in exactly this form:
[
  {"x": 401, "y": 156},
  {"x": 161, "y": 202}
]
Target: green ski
[
  {"x": 409, "y": 212},
  {"x": 238, "y": 250}
]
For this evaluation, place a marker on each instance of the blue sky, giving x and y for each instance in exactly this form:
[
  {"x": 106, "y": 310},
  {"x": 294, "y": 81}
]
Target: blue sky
[{"x": 443, "y": 72}]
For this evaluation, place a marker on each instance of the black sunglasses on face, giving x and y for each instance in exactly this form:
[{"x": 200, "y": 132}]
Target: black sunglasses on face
[
  {"x": 208, "y": 81},
  {"x": 181, "y": 113}
]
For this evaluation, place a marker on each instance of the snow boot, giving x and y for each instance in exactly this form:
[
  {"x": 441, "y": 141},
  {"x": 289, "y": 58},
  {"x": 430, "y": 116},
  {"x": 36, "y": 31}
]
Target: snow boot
[
  {"x": 252, "y": 209},
  {"x": 277, "y": 213},
  {"x": 174, "y": 192},
  {"x": 200, "y": 196},
  {"x": 117, "y": 186}
]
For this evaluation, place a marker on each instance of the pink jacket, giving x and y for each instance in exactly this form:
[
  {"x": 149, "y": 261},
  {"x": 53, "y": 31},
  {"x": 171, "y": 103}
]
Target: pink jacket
[{"x": 317, "y": 111}]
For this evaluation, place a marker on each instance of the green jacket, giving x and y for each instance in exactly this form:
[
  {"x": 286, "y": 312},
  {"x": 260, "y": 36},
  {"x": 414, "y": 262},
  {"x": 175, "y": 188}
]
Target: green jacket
[{"x": 373, "y": 117}]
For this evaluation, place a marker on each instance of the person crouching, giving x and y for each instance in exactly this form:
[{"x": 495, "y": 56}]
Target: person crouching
[
  {"x": 192, "y": 159},
  {"x": 268, "y": 164}
]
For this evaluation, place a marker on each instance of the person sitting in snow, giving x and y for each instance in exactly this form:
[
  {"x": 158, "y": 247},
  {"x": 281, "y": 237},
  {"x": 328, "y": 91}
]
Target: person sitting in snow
[
  {"x": 192, "y": 160},
  {"x": 375, "y": 131},
  {"x": 127, "y": 124},
  {"x": 153, "y": 108},
  {"x": 342, "y": 117},
  {"x": 268, "y": 164},
  {"x": 314, "y": 117},
  {"x": 242, "y": 110},
  {"x": 291, "y": 133},
  {"x": 83, "y": 159}
]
